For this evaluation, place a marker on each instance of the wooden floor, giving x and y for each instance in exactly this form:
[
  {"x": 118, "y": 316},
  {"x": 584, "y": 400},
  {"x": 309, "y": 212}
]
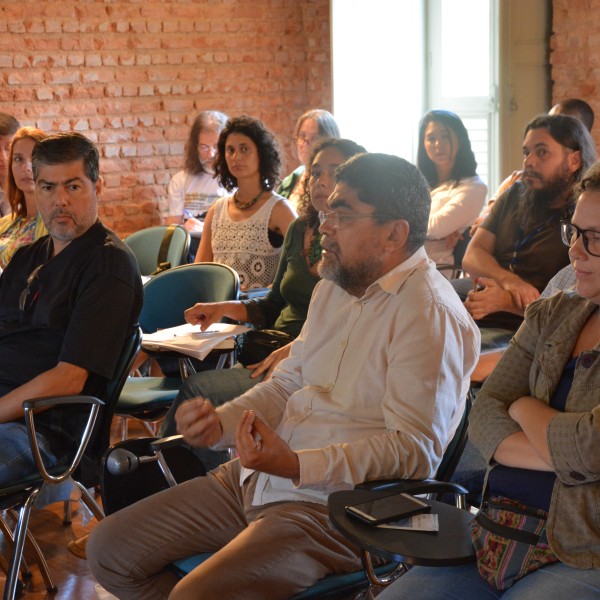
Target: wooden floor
[{"x": 71, "y": 575}]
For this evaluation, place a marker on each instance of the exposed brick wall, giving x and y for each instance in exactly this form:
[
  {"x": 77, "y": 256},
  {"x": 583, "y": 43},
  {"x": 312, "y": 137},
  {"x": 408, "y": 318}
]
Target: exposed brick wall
[
  {"x": 132, "y": 75},
  {"x": 575, "y": 54}
]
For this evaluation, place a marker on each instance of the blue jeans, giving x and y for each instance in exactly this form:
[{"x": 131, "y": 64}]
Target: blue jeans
[
  {"x": 16, "y": 461},
  {"x": 552, "y": 582},
  {"x": 218, "y": 386}
]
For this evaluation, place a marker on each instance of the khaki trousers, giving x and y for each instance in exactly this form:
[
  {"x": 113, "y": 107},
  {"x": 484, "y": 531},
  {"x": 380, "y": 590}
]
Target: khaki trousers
[{"x": 261, "y": 553}]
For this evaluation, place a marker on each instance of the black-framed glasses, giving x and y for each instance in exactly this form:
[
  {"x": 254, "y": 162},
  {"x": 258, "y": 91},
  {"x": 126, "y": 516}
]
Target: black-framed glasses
[
  {"x": 591, "y": 239},
  {"x": 31, "y": 292},
  {"x": 336, "y": 218}
]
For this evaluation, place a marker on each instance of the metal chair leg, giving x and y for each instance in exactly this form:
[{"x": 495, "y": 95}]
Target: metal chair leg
[
  {"x": 90, "y": 502},
  {"x": 34, "y": 548},
  {"x": 21, "y": 534},
  {"x": 67, "y": 512}
]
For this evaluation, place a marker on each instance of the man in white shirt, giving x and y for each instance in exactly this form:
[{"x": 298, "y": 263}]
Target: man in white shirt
[{"x": 374, "y": 387}]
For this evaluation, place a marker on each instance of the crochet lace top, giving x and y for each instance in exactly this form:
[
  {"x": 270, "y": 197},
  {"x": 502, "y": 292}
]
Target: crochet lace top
[{"x": 244, "y": 245}]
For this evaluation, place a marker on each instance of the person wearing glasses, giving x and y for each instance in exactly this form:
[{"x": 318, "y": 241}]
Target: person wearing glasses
[
  {"x": 310, "y": 128},
  {"x": 68, "y": 301},
  {"x": 518, "y": 249},
  {"x": 536, "y": 423},
  {"x": 194, "y": 189},
  {"x": 374, "y": 387},
  {"x": 284, "y": 308}
]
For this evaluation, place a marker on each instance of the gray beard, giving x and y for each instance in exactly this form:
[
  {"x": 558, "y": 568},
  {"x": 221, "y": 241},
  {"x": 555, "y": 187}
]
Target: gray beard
[{"x": 354, "y": 280}]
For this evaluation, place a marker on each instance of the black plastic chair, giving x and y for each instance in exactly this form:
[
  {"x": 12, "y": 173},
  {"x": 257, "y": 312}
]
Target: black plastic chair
[{"x": 89, "y": 436}]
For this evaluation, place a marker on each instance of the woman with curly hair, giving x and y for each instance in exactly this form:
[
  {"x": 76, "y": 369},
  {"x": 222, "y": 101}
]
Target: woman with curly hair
[
  {"x": 447, "y": 161},
  {"x": 246, "y": 229}
]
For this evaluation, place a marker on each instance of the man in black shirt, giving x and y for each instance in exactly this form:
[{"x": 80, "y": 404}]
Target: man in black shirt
[{"x": 67, "y": 302}]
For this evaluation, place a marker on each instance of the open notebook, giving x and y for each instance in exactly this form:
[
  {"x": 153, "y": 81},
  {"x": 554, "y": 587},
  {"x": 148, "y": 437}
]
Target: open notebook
[{"x": 190, "y": 340}]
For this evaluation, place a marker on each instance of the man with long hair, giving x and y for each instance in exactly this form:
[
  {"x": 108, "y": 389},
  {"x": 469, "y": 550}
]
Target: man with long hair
[{"x": 518, "y": 248}]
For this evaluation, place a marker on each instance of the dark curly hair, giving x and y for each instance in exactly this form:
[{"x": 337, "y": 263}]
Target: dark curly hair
[
  {"x": 306, "y": 211},
  {"x": 465, "y": 164},
  {"x": 268, "y": 152}
]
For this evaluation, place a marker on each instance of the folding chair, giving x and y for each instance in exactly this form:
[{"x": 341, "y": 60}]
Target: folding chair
[
  {"x": 166, "y": 297},
  {"x": 159, "y": 248},
  {"x": 88, "y": 437}
]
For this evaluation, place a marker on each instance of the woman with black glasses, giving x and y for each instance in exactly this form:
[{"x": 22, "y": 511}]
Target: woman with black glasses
[{"x": 537, "y": 423}]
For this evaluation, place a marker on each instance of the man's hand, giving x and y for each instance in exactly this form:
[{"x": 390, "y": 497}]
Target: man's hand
[
  {"x": 523, "y": 293},
  {"x": 205, "y": 314},
  {"x": 197, "y": 421},
  {"x": 260, "y": 448},
  {"x": 269, "y": 363},
  {"x": 489, "y": 300}
]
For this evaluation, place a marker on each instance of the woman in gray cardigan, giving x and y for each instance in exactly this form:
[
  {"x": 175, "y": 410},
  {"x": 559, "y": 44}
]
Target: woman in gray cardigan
[{"x": 537, "y": 421}]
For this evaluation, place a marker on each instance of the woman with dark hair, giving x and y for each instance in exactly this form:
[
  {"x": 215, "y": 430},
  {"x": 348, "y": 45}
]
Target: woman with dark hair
[
  {"x": 311, "y": 127},
  {"x": 447, "y": 161},
  {"x": 246, "y": 230},
  {"x": 536, "y": 423},
  {"x": 285, "y": 306},
  {"x": 192, "y": 190},
  {"x": 24, "y": 225}
]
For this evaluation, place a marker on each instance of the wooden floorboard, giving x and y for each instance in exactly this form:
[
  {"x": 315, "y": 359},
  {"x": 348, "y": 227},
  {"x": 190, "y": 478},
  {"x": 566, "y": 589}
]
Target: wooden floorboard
[{"x": 71, "y": 574}]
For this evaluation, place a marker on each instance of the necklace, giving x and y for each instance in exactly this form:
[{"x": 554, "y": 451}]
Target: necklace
[
  {"x": 246, "y": 205},
  {"x": 313, "y": 256}
]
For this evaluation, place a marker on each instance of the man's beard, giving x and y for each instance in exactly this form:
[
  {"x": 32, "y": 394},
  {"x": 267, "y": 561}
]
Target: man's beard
[
  {"x": 535, "y": 207},
  {"x": 355, "y": 279}
]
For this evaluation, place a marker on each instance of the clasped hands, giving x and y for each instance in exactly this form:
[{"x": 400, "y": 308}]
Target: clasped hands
[
  {"x": 258, "y": 445},
  {"x": 513, "y": 295}
]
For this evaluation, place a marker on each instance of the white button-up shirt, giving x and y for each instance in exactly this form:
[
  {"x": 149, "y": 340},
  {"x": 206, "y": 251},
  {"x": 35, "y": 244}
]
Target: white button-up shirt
[{"x": 374, "y": 386}]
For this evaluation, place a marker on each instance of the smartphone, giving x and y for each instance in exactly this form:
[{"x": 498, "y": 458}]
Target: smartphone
[{"x": 388, "y": 508}]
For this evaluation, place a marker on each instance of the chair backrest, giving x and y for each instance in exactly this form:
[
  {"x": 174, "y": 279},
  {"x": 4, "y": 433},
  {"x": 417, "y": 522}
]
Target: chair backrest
[
  {"x": 460, "y": 248},
  {"x": 88, "y": 472},
  {"x": 146, "y": 244},
  {"x": 455, "y": 448},
  {"x": 168, "y": 294}
]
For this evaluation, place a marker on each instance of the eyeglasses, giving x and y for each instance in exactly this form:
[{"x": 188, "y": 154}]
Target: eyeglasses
[
  {"x": 302, "y": 141},
  {"x": 30, "y": 294},
  {"x": 205, "y": 149},
  {"x": 591, "y": 239},
  {"x": 335, "y": 218}
]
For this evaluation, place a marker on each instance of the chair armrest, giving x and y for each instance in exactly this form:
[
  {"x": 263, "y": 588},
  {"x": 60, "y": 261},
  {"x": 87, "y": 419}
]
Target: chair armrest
[
  {"x": 169, "y": 442},
  {"x": 30, "y": 406}
]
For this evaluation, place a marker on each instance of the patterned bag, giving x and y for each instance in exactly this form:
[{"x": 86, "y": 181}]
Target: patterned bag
[{"x": 510, "y": 541}]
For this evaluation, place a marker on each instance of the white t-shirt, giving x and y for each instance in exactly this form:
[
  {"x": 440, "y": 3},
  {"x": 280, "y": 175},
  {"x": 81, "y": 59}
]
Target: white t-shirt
[
  {"x": 192, "y": 195},
  {"x": 453, "y": 209}
]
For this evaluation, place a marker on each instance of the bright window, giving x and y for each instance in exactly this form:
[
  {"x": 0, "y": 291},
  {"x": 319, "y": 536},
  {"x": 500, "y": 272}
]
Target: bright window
[{"x": 393, "y": 60}]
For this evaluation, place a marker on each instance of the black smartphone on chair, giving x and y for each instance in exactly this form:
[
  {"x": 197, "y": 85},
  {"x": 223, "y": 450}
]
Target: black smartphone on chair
[{"x": 388, "y": 508}]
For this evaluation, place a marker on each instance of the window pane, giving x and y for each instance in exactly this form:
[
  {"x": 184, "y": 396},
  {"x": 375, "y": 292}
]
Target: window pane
[{"x": 466, "y": 47}]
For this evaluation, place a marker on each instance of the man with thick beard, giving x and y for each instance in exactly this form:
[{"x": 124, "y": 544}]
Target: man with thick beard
[
  {"x": 374, "y": 387},
  {"x": 517, "y": 249}
]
